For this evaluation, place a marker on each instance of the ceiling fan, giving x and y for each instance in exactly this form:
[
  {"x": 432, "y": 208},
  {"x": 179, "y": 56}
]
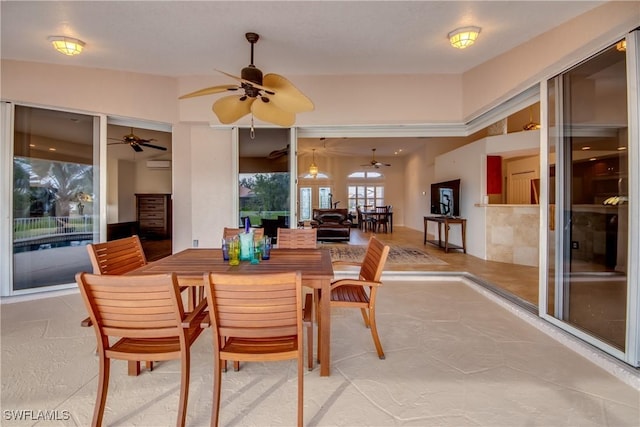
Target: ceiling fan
[
  {"x": 374, "y": 163},
  {"x": 136, "y": 142},
  {"x": 276, "y": 154},
  {"x": 271, "y": 99}
]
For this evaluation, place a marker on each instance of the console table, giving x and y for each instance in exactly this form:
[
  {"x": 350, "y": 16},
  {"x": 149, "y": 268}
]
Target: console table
[{"x": 447, "y": 221}]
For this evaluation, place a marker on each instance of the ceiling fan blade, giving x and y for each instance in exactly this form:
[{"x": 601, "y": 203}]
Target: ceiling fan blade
[
  {"x": 286, "y": 96},
  {"x": 157, "y": 147},
  {"x": 210, "y": 91},
  {"x": 269, "y": 112},
  {"x": 231, "y": 108},
  {"x": 136, "y": 147}
]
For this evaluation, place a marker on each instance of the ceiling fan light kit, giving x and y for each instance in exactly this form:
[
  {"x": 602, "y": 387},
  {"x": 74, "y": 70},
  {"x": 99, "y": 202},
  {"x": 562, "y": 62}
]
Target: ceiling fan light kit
[
  {"x": 270, "y": 98},
  {"x": 462, "y": 38}
]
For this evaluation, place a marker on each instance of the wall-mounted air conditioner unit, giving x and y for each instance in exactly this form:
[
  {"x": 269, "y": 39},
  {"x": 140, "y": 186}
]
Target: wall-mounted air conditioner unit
[{"x": 159, "y": 164}]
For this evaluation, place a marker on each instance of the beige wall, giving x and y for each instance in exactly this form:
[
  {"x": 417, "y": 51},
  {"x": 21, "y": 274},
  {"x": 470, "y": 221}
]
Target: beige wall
[
  {"x": 542, "y": 57},
  {"x": 348, "y": 100}
]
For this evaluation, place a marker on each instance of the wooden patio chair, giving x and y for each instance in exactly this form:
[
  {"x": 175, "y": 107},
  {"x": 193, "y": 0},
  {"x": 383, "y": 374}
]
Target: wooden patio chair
[
  {"x": 255, "y": 317},
  {"x": 117, "y": 257},
  {"x": 294, "y": 238},
  {"x": 361, "y": 292},
  {"x": 228, "y": 232},
  {"x": 144, "y": 318},
  {"x": 297, "y": 238}
]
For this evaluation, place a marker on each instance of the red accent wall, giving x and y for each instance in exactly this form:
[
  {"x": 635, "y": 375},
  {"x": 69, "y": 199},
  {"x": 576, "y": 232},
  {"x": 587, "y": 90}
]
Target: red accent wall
[{"x": 494, "y": 175}]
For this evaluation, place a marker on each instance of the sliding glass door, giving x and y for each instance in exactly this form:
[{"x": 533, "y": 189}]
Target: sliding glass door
[
  {"x": 589, "y": 198},
  {"x": 54, "y": 210}
]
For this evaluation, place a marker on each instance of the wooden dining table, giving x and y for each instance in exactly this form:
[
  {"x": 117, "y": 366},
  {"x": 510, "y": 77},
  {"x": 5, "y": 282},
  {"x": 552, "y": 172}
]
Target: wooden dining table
[
  {"x": 378, "y": 215},
  {"x": 314, "y": 265}
]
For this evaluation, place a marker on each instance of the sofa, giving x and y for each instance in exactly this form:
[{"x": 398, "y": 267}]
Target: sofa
[{"x": 332, "y": 224}]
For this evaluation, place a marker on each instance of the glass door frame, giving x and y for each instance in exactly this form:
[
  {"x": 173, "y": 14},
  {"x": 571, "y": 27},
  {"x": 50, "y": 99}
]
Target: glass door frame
[
  {"x": 6, "y": 207},
  {"x": 631, "y": 355},
  {"x": 293, "y": 171}
]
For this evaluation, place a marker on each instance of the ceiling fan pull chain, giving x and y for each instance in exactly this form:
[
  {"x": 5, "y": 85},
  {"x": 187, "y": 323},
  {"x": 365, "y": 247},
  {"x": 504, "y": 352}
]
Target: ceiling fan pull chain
[{"x": 252, "y": 131}]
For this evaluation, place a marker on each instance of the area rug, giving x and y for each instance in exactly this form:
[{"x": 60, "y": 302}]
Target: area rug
[{"x": 397, "y": 254}]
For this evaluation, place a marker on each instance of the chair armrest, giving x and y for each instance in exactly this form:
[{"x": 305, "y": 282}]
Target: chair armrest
[
  {"x": 196, "y": 316},
  {"x": 206, "y": 321},
  {"x": 354, "y": 282},
  {"x": 351, "y": 263},
  {"x": 86, "y": 322}
]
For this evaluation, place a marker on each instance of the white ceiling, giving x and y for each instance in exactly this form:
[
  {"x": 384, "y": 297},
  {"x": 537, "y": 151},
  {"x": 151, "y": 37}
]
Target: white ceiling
[{"x": 181, "y": 38}]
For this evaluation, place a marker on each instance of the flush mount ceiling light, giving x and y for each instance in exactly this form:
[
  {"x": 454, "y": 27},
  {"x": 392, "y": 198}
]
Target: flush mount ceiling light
[
  {"x": 463, "y": 37},
  {"x": 621, "y": 46},
  {"x": 67, "y": 45},
  {"x": 313, "y": 168}
]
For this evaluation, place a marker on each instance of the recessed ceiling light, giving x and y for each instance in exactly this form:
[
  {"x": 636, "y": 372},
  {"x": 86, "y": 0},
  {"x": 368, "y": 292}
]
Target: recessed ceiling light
[
  {"x": 52, "y": 149},
  {"x": 622, "y": 148},
  {"x": 32, "y": 145},
  {"x": 586, "y": 147},
  {"x": 592, "y": 159}
]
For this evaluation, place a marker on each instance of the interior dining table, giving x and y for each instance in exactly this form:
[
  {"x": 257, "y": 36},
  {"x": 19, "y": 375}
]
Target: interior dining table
[
  {"x": 314, "y": 265},
  {"x": 378, "y": 215}
]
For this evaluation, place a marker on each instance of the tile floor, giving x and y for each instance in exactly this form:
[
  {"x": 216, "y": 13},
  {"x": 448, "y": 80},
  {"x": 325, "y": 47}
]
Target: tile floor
[{"x": 455, "y": 357}]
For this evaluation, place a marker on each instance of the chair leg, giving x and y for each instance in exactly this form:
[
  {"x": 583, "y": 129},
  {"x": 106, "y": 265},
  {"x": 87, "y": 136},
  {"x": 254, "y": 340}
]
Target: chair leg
[
  {"x": 184, "y": 387},
  {"x": 133, "y": 368},
  {"x": 300, "y": 391},
  {"x": 149, "y": 365},
  {"x": 217, "y": 382},
  {"x": 365, "y": 317},
  {"x": 103, "y": 387},
  {"x": 374, "y": 333},
  {"x": 307, "y": 321}
]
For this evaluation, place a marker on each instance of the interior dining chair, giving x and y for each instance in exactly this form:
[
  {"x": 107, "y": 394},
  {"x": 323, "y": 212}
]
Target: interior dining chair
[
  {"x": 255, "y": 317},
  {"x": 297, "y": 238},
  {"x": 140, "y": 318},
  {"x": 382, "y": 219},
  {"x": 361, "y": 292}
]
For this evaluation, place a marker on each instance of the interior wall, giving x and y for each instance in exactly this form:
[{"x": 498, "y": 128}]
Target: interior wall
[
  {"x": 466, "y": 163},
  {"x": 419, "y": 174},
  {"x": 151, "y": 180}
]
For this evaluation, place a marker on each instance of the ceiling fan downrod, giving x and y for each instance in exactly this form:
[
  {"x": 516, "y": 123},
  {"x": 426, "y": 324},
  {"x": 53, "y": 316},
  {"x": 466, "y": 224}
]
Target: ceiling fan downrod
[{"x": 251, "y": 73}]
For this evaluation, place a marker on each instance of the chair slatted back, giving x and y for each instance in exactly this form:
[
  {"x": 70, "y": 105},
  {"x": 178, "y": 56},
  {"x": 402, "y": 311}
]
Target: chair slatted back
[
  {"x": 255, "y": 305},
  {"x": 374, "y": 260},
  {"x": 294, "y": 238},
  {"x": 229, "y": 232},
  {"x": 117, "y": 257},
  {"x": 133, "y": 306}
]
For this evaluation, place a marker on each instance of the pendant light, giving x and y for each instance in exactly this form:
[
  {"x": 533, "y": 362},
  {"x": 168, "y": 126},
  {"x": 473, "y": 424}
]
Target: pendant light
[{"x": 313, "y": 168}]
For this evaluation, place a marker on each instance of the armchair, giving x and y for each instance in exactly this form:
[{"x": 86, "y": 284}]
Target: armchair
[{"x": 332, "y": 224}]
